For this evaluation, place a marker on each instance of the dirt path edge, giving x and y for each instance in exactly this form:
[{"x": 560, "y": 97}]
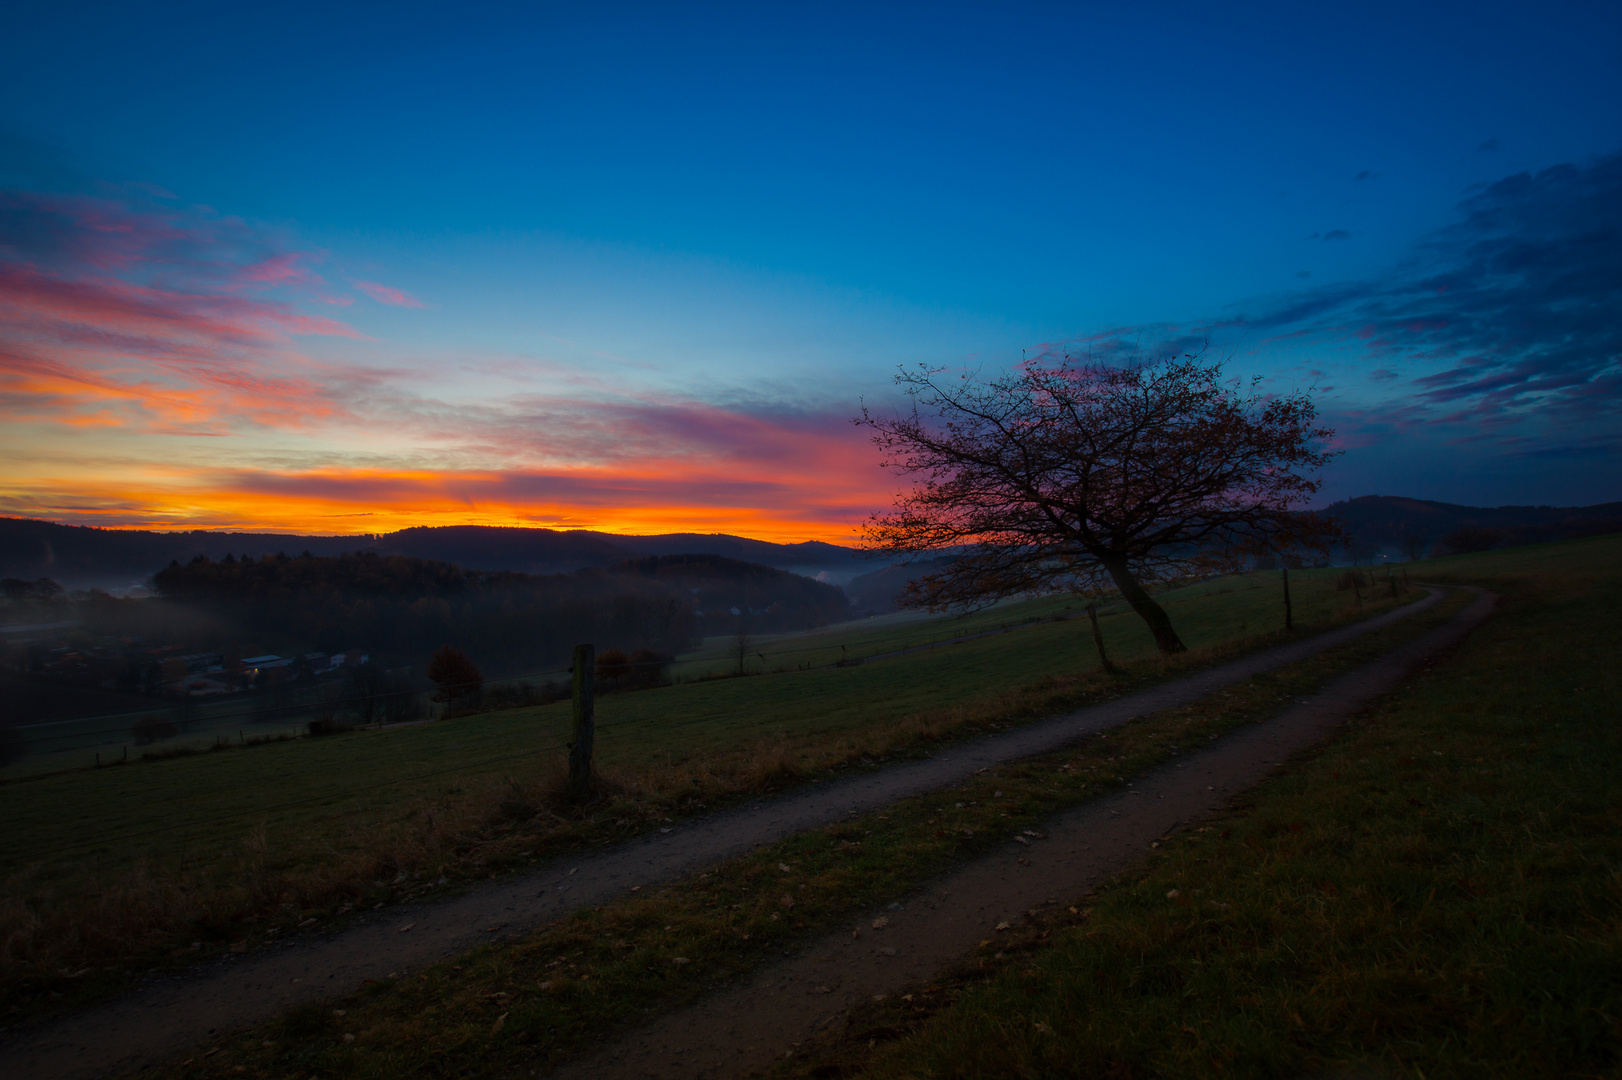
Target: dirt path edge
[
  {"x": 778, "y": 1010},
  {"x": 167, "y": 1015}
]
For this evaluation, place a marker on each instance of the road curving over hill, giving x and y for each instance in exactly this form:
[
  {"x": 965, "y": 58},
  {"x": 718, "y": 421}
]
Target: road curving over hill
[
  {"x": 785, "y": 1006},
  {"x": 170, "y": 1014}
]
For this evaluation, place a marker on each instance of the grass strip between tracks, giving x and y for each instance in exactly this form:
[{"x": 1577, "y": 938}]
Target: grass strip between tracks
[
  {"x": 562, "y": 991},
  {"x": 107, "y": 874},
  {"x": 1439, "y": 893}
]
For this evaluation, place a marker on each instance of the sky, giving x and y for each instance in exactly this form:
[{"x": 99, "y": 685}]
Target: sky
[{"x": 346, "y": 268}]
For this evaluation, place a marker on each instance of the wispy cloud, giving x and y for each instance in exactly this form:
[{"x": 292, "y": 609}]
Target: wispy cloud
[
  {"x": 1509, "y": 314},
  {"x": 1503, "y": 325},
  {"x": 126, "y": 323},
  {"x": 384, "y": 294},
  {"x": 153, "y": 316}
]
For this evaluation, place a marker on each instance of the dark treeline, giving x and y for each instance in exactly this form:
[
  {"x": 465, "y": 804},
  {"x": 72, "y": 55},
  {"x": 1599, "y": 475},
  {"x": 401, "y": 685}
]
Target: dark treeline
[
  {"x": 1421, "y": 526},
  {"x": 82, "y": 556},
  {"x": 727, "y": 593},
  {"x": 399, "y": 609}
]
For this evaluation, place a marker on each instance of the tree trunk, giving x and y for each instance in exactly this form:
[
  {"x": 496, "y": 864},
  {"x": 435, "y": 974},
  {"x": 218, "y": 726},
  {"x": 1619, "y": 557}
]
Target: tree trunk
[{"x": 1166, "y": 638}]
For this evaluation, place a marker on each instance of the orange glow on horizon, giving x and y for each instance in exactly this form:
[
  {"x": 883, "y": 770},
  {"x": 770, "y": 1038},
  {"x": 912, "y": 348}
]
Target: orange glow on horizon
[{"x": 395, "y": 500}]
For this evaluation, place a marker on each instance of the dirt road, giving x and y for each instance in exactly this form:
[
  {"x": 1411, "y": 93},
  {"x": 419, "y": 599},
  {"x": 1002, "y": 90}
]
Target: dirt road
[
  {"x": 168, "y": 1015},
  {"x": 744, "y": 1029}
]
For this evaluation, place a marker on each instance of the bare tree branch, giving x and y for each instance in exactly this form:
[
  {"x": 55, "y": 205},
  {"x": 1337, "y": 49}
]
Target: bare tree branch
[{"x": 1069, "y": 476}]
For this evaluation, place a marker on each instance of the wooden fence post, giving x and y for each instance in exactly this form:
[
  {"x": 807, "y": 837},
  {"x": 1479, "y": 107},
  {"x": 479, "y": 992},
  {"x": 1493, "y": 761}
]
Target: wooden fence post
[
  {"x": 585, "y": 660},
  {"x": 1098, "y": 638},
  {"x": 1289, "y": 617}
]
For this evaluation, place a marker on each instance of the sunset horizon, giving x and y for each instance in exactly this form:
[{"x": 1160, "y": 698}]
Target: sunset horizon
[{"x": 507, "y": 299}]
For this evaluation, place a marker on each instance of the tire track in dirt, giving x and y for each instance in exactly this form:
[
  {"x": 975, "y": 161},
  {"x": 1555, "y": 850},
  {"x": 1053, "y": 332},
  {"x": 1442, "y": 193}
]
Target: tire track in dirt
[
  {"x": 167, "y": 1015},
  {"x": 744, "y": 1029}
]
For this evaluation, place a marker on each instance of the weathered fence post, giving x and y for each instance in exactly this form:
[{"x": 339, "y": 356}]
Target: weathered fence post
[
  {"x": 1289, "y": 617},
  {"x": 585, "y": 660},
  {"x": 1098, "y": 638}
]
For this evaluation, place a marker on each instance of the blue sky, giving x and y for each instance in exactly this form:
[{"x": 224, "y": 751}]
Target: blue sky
[{"x": 696, "y": 235}]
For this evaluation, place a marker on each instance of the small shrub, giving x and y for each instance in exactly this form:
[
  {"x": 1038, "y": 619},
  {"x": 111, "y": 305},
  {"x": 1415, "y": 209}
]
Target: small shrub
[
  {"x": 648, "y": 668},
  {"x": 611, "y": 668},
  {"x": 328, "y": 725},
  {"x": 459, "y": 679}
]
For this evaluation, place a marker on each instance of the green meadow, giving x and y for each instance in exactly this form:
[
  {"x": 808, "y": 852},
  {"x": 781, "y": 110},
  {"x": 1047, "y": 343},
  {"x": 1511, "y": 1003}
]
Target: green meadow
[
  {"x": 110, "y": 868},
  {"x": 562, "y": 990},
  {"x": 1436, "y": 894}
]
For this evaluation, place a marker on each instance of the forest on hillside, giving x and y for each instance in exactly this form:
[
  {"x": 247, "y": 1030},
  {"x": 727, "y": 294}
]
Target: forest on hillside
[{"x": 401, "y": 608}]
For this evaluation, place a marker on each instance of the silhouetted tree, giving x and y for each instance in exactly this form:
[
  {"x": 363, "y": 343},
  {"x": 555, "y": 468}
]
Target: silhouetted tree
[
  {"x": 611, "y": 667},
  {"x": 1073, "y": 476},
  {"x": 458, "y": 678},
  {"x": 1413, "y": 546},
  {"x": 647, "y": 668}
]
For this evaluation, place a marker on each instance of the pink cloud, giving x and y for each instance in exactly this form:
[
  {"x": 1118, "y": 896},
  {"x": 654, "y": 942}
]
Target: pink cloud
[
  {"x": 383, "y": 294},
  {"x": 170, "y": 317}
]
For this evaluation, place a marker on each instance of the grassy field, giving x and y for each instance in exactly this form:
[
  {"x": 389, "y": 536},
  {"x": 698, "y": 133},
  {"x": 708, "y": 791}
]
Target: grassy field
[
  {"x": 512, "y": 1009},
  {"x": 1439, "y": 893},
  {"x": 109, "y": 869}
]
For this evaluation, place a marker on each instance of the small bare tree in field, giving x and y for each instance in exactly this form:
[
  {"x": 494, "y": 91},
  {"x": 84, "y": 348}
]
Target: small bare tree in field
[
  {"x": 459, "y": 679},
  {"x": 1067, "y": 476}
]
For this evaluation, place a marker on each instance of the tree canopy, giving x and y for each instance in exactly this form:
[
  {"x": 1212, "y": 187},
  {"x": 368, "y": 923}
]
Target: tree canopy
[{"x": 1077, "y": 476}]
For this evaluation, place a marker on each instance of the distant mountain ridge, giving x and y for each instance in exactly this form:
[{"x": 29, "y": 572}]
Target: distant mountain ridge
[
  {"x": 1385, "y": 521},
  {"x": 80, "y": 556}
]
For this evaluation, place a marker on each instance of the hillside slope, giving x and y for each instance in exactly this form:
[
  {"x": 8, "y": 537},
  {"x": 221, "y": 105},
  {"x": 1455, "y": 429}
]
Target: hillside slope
[
  {"x": 1386, "y": 521},
  {"x": 79, "y": 556}
]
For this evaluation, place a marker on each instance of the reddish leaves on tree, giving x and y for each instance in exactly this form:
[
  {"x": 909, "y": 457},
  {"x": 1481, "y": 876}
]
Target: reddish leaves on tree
[{"x": 1081, "y": 476}]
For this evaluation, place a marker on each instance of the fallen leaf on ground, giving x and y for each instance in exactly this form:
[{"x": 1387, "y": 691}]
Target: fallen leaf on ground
[
  {"x": 495, "y": 1028},
  {"x": 1002, "y": 926},
  {"x": 880, "y": 923}
]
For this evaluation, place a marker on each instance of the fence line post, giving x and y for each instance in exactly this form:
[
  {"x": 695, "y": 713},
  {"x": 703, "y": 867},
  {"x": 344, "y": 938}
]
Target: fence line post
[
  {"x": 580, "y": 743},
  {"x": 1289, "y": 617},
  {"x": 1098, "y": 638}
]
